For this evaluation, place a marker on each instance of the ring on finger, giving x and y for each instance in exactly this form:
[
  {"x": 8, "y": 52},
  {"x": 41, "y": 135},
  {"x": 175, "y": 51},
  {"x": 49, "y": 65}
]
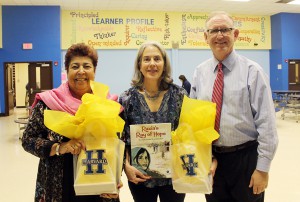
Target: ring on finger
[{"x": 104, "y": 196}]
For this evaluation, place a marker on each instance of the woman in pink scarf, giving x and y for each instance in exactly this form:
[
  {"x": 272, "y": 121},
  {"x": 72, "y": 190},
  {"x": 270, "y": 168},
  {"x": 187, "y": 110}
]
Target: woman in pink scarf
[{"x": 55, "y": 174}]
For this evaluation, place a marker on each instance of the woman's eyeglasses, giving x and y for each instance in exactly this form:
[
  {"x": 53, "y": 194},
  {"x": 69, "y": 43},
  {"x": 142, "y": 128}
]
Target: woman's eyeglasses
[{"x": 224, "y": 31}]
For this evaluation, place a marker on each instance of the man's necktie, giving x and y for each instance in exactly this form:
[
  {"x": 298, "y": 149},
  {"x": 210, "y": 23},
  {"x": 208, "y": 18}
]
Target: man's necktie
[{"x": 217, "y": 96}]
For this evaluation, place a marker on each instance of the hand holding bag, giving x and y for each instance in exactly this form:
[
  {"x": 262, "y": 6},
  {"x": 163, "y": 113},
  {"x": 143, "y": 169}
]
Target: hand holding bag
[{"x": 98, "y": 169}]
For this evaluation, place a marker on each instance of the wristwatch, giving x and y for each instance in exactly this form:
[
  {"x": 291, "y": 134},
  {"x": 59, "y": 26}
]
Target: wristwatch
[{"x": 57, "y": 149}]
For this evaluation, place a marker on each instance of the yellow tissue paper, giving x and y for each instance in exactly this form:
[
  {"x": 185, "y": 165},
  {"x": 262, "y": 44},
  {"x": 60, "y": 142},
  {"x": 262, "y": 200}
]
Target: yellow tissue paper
[
  {"x": 191, "y": 147},
  {"x": 98, "y": 169}
]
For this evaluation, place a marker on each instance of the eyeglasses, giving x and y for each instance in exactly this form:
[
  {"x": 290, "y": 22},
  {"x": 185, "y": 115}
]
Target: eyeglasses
[{"x": 224, "y": 31}]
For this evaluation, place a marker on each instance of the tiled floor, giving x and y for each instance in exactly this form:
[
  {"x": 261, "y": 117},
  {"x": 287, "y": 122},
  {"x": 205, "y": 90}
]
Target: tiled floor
[{"x": 18, "y": 168}]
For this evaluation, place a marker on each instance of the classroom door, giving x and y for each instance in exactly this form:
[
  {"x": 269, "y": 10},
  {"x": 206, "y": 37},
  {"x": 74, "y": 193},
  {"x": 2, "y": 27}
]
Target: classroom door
[
  {"x": 9, "y": 89},
  {"x": 294, "y": 74},
  {"x": 39, "y": 78}
]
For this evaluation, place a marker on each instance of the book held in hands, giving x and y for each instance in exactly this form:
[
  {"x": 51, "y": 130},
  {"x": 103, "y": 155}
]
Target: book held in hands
[{"x": 151, "y": 149}]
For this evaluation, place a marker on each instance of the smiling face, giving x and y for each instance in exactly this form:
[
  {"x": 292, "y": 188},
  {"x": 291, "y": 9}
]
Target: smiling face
[
  {"x": 152, "y": 64},
  {"x": 220, "y": 43},
  {"x": 80, "y": 71}
]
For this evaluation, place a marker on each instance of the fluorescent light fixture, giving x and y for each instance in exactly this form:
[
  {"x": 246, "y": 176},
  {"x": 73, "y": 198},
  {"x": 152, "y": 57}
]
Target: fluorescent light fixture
[
  {"x": 297, "y": 2},
  {"x": 237, "y": 0}
]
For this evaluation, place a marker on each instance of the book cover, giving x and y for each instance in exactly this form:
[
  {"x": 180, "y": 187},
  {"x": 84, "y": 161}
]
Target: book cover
[{"x": 151, "y": 149}]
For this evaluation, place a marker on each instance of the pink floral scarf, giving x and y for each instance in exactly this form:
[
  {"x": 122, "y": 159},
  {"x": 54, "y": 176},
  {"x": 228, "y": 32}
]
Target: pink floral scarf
[{"x": 59, "y": 99}]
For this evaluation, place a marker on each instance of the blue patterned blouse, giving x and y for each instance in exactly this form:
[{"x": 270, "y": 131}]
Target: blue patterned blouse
[{"x": 136, "y": 111}]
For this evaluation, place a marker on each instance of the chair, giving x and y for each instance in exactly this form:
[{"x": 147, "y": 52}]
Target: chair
[{"x": 22, "y": 123}]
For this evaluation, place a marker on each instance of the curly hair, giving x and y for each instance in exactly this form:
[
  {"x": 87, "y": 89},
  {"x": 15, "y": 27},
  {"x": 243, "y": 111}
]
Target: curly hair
[{"x": 83, "y": 50}]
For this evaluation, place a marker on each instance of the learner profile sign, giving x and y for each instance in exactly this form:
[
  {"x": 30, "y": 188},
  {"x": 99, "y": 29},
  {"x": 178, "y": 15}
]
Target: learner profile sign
[
  {"x": 128, "y": 30},
  {"x": 115, "y": 30}
]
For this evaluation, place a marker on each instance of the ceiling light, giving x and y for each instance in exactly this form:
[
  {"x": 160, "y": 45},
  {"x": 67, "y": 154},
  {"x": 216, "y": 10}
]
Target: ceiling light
[
  {"x": 237, "y": 0},
  {"x": 289, "y": 1},
  {"x": 295, "y": 2}
]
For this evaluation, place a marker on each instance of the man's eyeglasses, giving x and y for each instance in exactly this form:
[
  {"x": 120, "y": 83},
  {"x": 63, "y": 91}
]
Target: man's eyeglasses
[{"x": 224, "y": 31}]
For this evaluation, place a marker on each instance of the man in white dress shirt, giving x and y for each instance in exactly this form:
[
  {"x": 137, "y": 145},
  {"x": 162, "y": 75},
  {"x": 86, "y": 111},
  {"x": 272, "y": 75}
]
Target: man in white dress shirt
[{"x": 248, "y": 136}]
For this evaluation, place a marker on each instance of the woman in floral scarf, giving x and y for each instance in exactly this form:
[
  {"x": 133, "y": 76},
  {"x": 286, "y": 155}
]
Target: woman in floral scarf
[{"x": 55, "y": 173}]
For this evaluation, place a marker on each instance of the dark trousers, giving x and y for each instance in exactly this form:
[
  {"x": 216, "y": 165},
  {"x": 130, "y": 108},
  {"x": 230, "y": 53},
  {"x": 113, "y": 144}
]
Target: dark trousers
[
  {"x": 166, "y": 193},
  {"x": 232, "y": 178}
]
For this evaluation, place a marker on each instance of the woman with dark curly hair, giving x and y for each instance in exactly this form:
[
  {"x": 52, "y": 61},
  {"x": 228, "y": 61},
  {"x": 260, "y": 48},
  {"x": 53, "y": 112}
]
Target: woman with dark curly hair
[{"x": 55, "y": 173}]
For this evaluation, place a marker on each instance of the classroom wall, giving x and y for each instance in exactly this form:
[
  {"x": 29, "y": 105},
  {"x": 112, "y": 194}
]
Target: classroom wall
[
  {"x": 115, "y": 67},
  {"x": 285, "y": 36},
  {"x": 39, "y": 25},
  {"x": 275, "y": 54},
  {"x": 0, "y": 27}
]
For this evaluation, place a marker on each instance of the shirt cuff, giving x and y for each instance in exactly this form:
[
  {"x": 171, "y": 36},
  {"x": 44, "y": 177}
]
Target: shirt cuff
[{"x": 263, "y": 164}]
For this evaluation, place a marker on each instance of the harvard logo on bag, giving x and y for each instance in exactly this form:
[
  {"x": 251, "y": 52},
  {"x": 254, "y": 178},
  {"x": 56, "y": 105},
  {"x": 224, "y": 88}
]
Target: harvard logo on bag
[
  {"x": 98, "y": 162},
  {"x": 188, "y": 164}
]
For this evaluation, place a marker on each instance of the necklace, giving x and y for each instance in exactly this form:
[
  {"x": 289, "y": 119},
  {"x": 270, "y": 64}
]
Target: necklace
[{"x": 153, "y": 97}]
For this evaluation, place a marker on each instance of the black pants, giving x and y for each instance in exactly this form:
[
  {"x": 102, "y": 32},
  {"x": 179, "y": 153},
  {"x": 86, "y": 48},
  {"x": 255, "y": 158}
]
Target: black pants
[
  {"x": 166, "y": 193},
  {"x": 232, "y": 178}
]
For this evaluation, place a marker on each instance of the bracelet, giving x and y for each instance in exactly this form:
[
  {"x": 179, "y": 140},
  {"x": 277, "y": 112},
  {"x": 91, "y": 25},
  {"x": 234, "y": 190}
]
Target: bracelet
[{"x": 57, "y": 149}]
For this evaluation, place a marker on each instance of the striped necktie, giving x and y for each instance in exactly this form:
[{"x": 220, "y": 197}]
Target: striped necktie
[{"x": 217, "y": 96}]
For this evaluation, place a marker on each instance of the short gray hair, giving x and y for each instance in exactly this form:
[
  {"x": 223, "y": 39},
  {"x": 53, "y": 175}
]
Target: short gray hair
[{"x": 215, "y": 13}]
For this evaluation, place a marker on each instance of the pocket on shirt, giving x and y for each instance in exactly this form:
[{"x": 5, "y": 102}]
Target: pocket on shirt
[{"x": 238, "y": 101}]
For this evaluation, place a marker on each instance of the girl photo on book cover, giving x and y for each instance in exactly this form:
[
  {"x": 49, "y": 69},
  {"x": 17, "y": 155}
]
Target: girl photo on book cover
[{"x": 141, "y": 160}]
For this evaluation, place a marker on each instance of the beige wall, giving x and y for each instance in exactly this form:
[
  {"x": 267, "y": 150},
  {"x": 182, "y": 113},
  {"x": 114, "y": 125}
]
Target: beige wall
[{"x": 21, "y": 79}]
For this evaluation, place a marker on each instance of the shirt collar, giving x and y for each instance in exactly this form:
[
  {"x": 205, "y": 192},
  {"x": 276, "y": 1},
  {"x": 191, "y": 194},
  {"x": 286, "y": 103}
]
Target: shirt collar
[{"x": 228, "y": 62}]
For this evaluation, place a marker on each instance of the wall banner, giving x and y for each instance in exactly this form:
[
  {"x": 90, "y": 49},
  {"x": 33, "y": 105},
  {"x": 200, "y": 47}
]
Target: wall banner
[{"x": 128, "y": 30}]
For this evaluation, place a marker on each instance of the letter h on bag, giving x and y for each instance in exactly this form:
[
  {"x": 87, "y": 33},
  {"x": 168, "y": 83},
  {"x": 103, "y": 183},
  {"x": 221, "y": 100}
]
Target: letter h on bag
[
  {"x": 99, "y": 162},
  {"x": 190, "y": 165}
]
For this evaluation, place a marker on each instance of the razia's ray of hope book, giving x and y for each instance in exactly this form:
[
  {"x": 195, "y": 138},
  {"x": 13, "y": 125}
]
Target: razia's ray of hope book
[{"x": 151, "y": 149}]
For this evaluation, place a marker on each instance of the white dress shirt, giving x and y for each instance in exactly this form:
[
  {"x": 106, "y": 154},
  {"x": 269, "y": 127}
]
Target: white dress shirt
[{"x": 248, "y": 112}]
